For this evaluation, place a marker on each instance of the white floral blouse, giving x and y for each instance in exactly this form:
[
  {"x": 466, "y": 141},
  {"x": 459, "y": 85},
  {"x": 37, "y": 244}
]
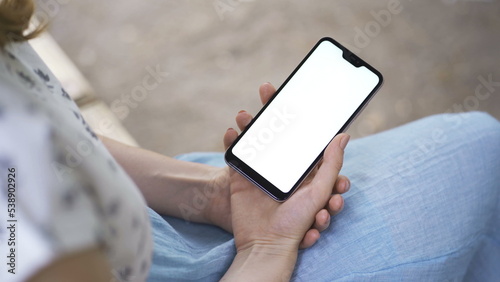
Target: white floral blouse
[{"x": 61, "y": 190}]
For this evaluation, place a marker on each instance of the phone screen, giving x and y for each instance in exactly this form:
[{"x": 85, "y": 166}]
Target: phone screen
[{"x": 315, "y": 103}]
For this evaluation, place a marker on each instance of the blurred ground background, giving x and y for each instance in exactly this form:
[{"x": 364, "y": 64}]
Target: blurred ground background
[{"x": 217, "y": 53}]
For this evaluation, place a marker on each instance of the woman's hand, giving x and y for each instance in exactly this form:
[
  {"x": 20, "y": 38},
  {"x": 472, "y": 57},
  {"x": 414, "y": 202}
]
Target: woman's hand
[
  {"x": 267, "y": 233},
  {"x": 256, "y": 218},
  {"x": 224, "y": 214}
]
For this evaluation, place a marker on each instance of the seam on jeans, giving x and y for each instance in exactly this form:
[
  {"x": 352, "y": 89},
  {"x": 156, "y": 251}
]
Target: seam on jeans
[
  {"x": 456, "y": 251},
  {"x": 449, "y": 150}
]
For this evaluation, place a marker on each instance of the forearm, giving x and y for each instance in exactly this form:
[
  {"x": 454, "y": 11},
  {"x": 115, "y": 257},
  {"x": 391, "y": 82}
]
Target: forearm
[
  {"x": 262, "y": 264},
  {"x": 167, "y": 184}
]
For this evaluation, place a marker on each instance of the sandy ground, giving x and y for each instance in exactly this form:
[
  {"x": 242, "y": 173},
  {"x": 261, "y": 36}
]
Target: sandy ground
[{"x": 210, "y": 57}]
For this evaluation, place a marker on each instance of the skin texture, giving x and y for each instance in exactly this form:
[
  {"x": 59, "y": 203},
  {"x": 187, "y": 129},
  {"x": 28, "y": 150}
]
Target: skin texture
[{"x": 267, "y": 234}]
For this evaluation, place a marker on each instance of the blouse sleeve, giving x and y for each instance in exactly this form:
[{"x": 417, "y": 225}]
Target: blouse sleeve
[{"x": 47, "y": 208}]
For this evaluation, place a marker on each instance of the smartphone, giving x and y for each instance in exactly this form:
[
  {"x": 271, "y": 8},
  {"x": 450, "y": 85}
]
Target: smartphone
[{"x": 319, "y": 100}]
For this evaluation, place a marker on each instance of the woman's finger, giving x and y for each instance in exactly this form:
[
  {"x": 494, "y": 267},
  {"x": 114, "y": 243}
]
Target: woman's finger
[
  {"x": 342, "y": 185},
  {"x": 335, "y": 204},
  {"x": 243, "y": 119},
  {"x": 229, "y": 137},
  {"x": 310, "y": 238},
  {"x": 266, "y": 91},
  {"x": 322, "y": 220},
  {"x": 332, "y": 163}
]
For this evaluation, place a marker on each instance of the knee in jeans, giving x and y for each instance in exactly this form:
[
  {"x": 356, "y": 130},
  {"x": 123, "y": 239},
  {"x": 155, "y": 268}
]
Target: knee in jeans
[
  {"x": 476, "y": 125},
  {"x": 481, "y": 120}
]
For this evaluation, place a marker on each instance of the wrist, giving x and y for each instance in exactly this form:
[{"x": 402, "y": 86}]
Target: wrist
[
  {"x": 191, "y": 191},
  {"x": 263, "y": 262},
  {"x": 218, "y": 207},
  {"x": 274, "y": 247}
]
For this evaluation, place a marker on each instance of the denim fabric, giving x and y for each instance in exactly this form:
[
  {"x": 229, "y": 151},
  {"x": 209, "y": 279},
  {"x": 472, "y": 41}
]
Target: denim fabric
[{"x": 424, "y": 205}]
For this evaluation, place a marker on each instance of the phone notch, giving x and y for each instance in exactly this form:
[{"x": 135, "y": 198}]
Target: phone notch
[{"x": 352, "y": 58}]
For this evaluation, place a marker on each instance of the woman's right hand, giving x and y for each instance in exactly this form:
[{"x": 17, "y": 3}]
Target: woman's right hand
[
  {"x": 267, "y": 233},
  {"x": 322, "y": 219}
]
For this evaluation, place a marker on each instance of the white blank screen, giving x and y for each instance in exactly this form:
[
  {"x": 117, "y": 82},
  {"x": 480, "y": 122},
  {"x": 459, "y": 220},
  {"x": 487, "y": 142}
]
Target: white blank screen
[{"x": 308, "y": 112}]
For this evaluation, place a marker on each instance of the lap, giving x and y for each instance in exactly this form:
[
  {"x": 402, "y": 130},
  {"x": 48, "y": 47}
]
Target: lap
[{"x": 423, "y": 205}]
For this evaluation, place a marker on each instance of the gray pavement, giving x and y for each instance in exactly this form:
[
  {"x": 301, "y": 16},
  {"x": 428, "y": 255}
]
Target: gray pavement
[{"x": 434, "y": 55}]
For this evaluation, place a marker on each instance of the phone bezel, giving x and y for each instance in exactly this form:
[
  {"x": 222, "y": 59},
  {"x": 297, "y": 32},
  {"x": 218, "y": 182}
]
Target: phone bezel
[{"x": 255, "y": 177}]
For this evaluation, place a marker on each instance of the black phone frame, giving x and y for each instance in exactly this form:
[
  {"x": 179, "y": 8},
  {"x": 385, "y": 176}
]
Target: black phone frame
[{"x": 253, "y": 176}]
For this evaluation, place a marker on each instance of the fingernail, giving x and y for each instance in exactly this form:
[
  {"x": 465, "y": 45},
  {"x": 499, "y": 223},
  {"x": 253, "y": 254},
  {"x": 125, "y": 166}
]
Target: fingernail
[
  {"x": 344, "y": 141},
  {"x": 229, "y": 129},
  {"x": 347, "y": 186},
  {"x": 242, "y": 111}
]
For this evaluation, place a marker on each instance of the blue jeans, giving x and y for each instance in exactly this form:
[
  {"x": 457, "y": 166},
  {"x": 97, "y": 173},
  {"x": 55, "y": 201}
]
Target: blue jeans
[{"x": 424, "y": 205}]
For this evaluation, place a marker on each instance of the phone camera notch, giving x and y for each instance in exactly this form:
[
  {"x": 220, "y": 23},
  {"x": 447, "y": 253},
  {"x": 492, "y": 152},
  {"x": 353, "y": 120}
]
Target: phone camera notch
[{"x": 353, "y": 59}]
